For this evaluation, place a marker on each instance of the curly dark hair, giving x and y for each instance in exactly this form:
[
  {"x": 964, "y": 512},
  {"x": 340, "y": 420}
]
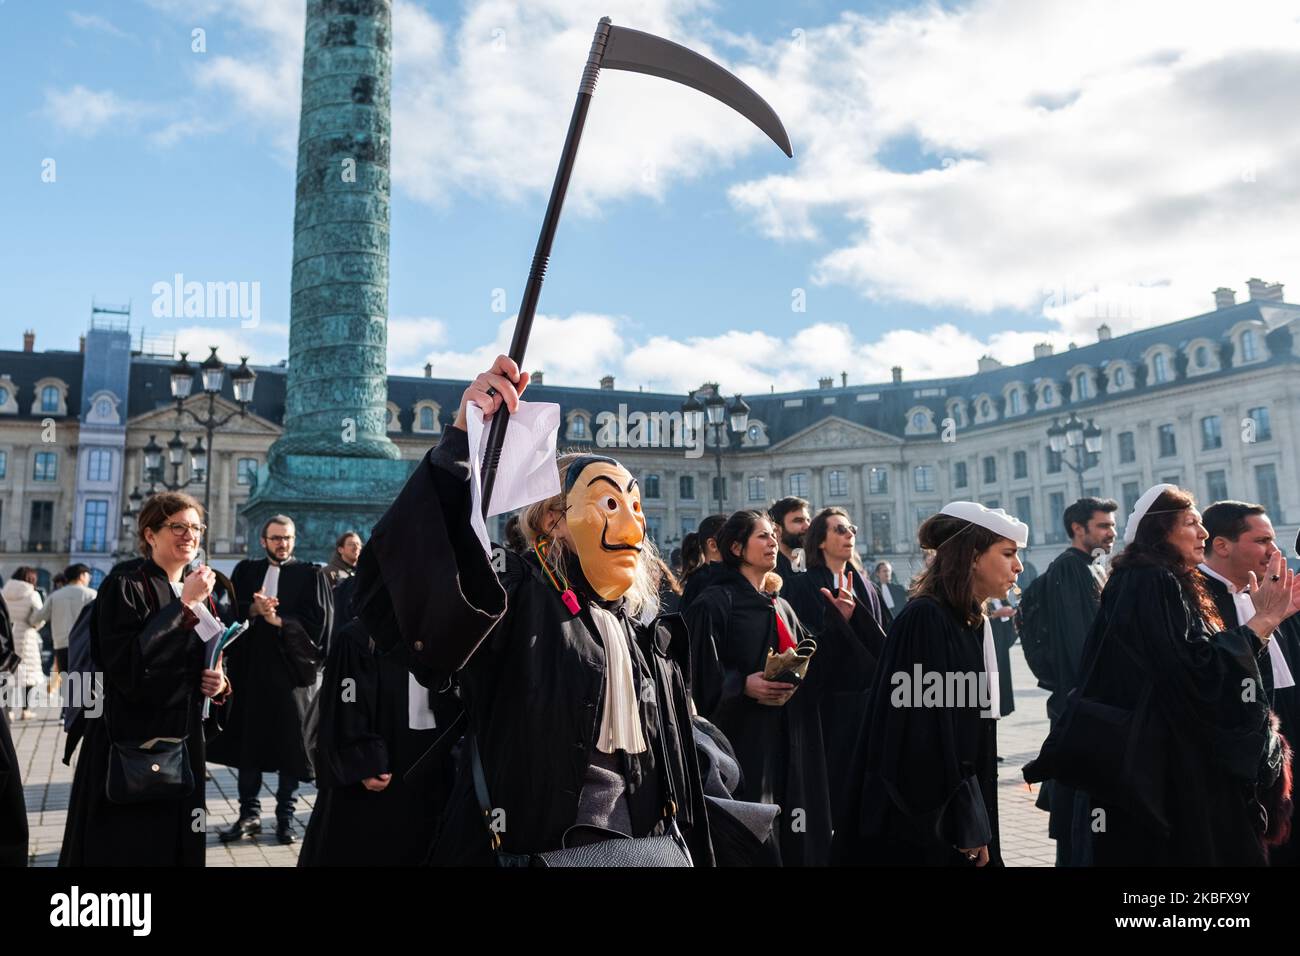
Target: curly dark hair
[{"x": 1151, "y": 549}]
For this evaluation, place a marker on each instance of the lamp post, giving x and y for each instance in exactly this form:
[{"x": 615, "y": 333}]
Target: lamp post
[
  {"x": 126, "y": 540},
  {"x": 1084, "y": 439},
  {"x": 718, "y": 415},
  {"x": 213, "y": 373}
]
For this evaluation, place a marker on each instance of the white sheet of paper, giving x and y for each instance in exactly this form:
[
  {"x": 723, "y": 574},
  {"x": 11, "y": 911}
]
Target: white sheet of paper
[
  {"x": 271, "y": 583},
  {"x": 419, "y": 715},
  {"x": 527, "y": 471},
  {"x": 209, "y": 627}
]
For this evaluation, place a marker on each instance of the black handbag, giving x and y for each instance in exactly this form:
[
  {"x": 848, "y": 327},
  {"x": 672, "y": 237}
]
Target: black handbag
[
  {"x": 153, "y": 770},
  {"x": 1114, "y": 754},
  {"x": 611, "y": 849}
]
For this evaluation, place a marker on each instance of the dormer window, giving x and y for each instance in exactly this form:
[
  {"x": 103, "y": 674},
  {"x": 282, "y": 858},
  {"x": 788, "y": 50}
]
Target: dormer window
[
  {"x": 1202, "y": 355},
  {"x": 1049, "y": 395},
  {"x": 1082, "y": 387},
  {"x": 1015, "y": 401},
  {"x": 49, "y": 399},
  {"x": 1249, "y": 347},
  {"x": 1160, "y": 368},
  {"x": 919, "y": 421},
  {"x": 1119, "y": 378},
  {"x": 986, "y": 409}
]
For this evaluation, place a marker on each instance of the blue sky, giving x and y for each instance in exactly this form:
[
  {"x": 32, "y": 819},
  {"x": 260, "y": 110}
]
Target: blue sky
[{"x": 968, "y": 178}]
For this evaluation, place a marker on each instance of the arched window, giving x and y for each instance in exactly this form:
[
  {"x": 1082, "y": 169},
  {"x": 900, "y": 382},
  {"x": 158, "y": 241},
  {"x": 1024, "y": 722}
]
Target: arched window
[
  {"x": 986, "y": 409},
  {"x": 1048, "y": 395},
  {"x": 1160, "y": 367},
  {"x": 1249, "y": 349},
  {"x": 49, "y": 399},
  {"x": 1202, "y": 356},
  {"x": 578, "y": 427},
  {"x": 919, "y": 421},
  {"x": 1015, "y": 401},
  {"x": 1082, "y": 390},
  {"x": 426, "y": 419},
  {"x": 1119, "y": 377}
]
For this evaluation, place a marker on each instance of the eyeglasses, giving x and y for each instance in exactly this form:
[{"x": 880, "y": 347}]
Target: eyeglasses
[
  {"x": 280, "y": 538},
  {"x": 845, "y": 528},
  {"x": 180, "y": 529}
]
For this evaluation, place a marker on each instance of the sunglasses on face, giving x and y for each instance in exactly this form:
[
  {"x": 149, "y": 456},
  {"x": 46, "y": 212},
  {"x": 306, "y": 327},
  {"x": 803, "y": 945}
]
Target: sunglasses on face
[{"x": 845, "y": 528}]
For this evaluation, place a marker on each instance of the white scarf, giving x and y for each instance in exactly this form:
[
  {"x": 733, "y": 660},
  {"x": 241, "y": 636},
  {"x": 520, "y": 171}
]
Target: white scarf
[
  {"x": 991, "y": 669},
  {"x": 620, "y": 724},
  {"x": 1245, "y": 611}
]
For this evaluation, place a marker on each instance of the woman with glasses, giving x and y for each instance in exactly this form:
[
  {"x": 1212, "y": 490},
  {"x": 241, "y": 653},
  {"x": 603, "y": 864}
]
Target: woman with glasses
[
  {"x": 774, "y": 723},
  {"x": 837, "y": 605},
  {"x": 138, "y": 794}
]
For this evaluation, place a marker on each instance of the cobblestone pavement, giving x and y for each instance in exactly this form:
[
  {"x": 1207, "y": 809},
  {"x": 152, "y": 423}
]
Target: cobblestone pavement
[{"x": 47, "y": 783}]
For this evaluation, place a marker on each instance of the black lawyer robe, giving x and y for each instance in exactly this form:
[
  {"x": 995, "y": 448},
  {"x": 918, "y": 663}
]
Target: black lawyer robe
[
  {"x": 13, "y": 809},
  {"x": 1285, "y": 702},
  {"x": 699, "y": 579},
  {"x": 925, "y": 771},
  {"x": 273, "y": 670},
  {"x": 1149, "y": 638},
  {"x": 532, "y": 675},
  {"x": 364, "y": 731},
  {"x": 152, "y": 661},
  {"x": 788, "y": 575},
  {"x": 843, "y": 708},
  {"x": 1055, "y": 616},
  {"x": 781, "y": 750}
]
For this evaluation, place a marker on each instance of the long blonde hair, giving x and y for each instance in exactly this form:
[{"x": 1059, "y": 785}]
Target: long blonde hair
[{"x": 541, "y": 518}]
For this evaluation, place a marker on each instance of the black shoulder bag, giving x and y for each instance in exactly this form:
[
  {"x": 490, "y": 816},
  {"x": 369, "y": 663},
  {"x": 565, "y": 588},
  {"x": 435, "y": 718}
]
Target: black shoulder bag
[
  {"x": 1114, "y": 754},
  {"x": 668, "y": 849},
  {"x": 156, "y": 769}
]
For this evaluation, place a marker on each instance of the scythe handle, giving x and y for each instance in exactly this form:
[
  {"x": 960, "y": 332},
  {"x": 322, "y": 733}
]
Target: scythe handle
[{"x": 542, "y": 255}]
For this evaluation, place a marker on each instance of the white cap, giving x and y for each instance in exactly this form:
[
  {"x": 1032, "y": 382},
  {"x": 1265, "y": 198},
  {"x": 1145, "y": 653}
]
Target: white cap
[
  {"x": 995, "y": 519},
  {"x": 1140, "y": 509}
]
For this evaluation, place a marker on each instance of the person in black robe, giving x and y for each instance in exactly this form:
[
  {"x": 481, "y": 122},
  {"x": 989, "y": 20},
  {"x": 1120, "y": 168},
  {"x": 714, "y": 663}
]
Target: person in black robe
[
  {"x": 892, "y": 594},
  {"x": 572, "y": 705},
  {"x": 925, "y": 772},
  {"x": 792, "y": 517},
  {"x": 774, "y": 726},
  {"x": 830, "y": 547},
  {"x": 703, "y": 571},
  {"x": 1242, "y": 540},
  {"x": 273, "y": 667},
  {"x": 145, "y": 644},
  {"x": 1157, "y": 651},
  {"x": 1053, "y": 619},
  {"x": 13, "y": 809},
  {"x": 383, "y": 761}
]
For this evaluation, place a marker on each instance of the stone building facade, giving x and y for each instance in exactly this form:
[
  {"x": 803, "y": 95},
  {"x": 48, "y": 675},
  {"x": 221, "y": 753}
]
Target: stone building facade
[{"x": 1211, "y": 402}]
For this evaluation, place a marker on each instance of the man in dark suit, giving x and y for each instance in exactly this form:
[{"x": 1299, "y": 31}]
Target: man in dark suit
[
  {"x": 1241, "y": 540},
  {"x": 892, "y": 595}
]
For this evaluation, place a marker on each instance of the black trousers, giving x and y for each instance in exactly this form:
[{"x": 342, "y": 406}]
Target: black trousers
[{"x": 250, "y": 785}]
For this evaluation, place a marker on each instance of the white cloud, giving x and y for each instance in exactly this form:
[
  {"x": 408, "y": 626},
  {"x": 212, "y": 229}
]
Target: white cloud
[
  {"x": 1092, "y": 162},
  {"x": 90, "y": 21},
  {"x": 743, "y": 361},
  {"x": 84, "y": 111}
]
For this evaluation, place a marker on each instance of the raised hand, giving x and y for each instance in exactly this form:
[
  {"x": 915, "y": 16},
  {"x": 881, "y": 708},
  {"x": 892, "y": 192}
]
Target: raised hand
[{"x": 502, "y": 382}]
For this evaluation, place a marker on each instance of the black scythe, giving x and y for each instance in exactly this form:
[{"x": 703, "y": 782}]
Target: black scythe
[{"x": 617, "y": 48}]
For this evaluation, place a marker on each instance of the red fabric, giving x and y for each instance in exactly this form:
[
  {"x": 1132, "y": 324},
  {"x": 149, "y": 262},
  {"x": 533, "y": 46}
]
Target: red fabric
[{"x": 784, "y": 641}]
